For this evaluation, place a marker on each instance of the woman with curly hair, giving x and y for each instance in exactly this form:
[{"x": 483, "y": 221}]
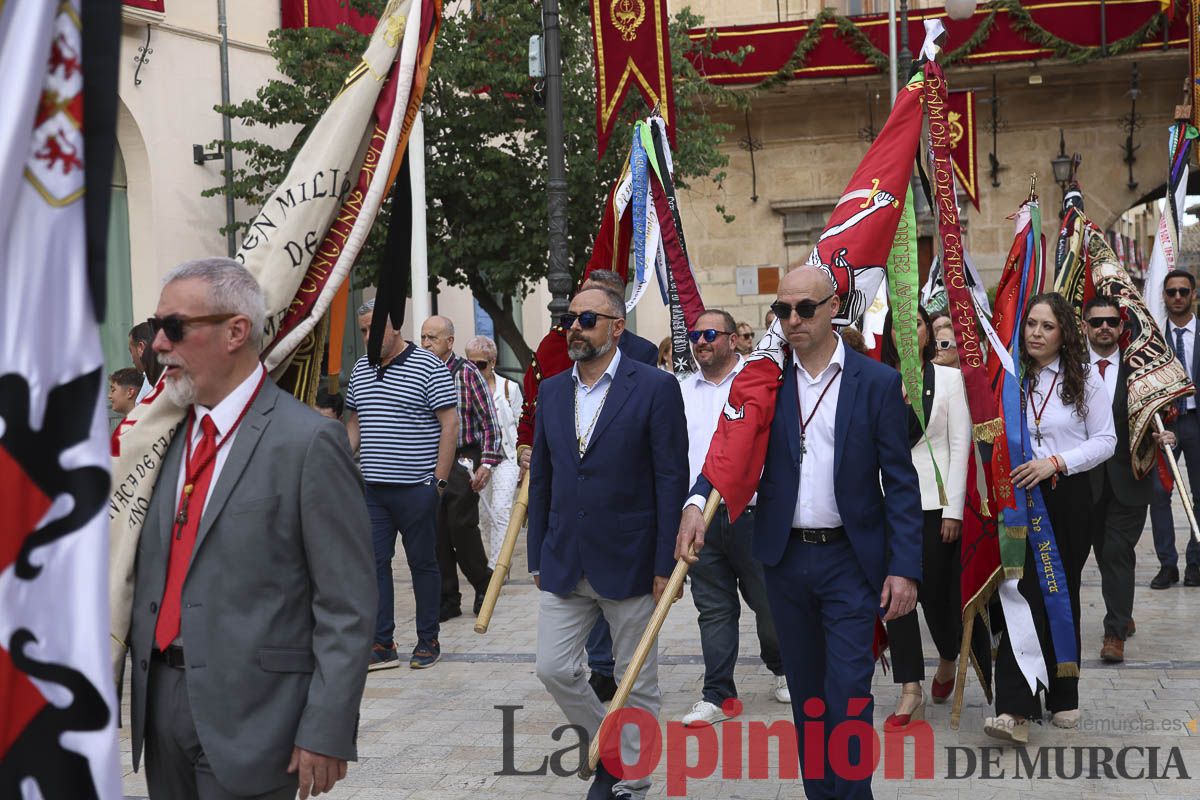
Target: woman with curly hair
[{"x": 1071, "y": 431}]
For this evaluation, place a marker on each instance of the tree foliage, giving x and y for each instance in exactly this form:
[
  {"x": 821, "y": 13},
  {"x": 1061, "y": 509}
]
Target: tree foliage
[{"x": 485, "y": 141}]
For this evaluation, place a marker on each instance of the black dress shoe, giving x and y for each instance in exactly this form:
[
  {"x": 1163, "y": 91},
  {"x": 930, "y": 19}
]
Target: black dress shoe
[
  {"x": 603, "y": 685},
  {"x": 478, "y": 603},
  {"x": 449, "y": 612},
  {"x": 602, "y": 784},
  {"x": 1191, "y": 575},
  {"x": 1165, "y": 577}
]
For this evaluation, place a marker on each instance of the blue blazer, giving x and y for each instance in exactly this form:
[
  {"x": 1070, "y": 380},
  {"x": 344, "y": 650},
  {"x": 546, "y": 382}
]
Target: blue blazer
[
  {"x": 883, "y": 523},
  {"x": 612, "y": 515},
  {"x": 639, "y": 349}
]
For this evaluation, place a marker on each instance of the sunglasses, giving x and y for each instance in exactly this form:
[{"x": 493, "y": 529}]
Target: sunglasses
[
  {"x": 1097, "y": 323},
  {"x": 805, "y": 309},
  {"x": 946, "y": 344},
  {"x": 483, "y": 365},
  {"x": 710, "y": 335},
  {"x": 1177, "y": 292},
  {"x": 174, "y": 326},
  {"x": 586, "y": 319}
]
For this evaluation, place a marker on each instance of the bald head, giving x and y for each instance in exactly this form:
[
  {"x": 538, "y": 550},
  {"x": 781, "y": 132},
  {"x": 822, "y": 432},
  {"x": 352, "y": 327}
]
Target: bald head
[
  {"x": 437, "y": 336},
  {"x": 811, "y": 280},
  {"x": 810, "y": 289}
]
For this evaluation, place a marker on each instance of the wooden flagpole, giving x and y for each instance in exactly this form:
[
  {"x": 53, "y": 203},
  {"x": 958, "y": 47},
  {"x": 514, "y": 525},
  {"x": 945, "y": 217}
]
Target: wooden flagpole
[
  {"x": 516, "y": 521},
  {"x": 649, "y": 637},
  {"x": 1179, "y": 487}
]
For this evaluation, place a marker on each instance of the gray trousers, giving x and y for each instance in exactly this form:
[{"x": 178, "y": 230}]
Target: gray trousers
[
  {"x": 564, "y": 622},
  {"x": 176, "y": 767}
]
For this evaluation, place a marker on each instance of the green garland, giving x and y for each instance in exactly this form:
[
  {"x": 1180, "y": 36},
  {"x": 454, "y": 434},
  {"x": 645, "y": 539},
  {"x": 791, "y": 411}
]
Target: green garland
[{"x": 1021, "y": 21}]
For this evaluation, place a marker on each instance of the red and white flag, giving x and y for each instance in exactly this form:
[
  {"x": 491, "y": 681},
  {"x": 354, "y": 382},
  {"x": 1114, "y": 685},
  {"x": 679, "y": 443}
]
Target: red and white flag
[{"x": 57, "y": 697}]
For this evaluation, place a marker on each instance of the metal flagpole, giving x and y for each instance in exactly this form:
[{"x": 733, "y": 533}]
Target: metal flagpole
[
  {"x": 559, "y": 274},
  {"x": 226, "y": 131},
  {"x": 420, "y": 242},
  {"x": 893, "y": 67}
]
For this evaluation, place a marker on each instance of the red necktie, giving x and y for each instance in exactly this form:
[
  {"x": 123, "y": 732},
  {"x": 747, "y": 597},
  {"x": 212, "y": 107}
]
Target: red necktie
[
  {"x": 183, "y": 536},
  {"x": 1103, "y": 365}
]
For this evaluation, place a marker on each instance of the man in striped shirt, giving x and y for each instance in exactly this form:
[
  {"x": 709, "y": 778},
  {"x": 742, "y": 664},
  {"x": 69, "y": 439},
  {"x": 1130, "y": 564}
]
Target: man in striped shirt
[
  {"x": 459, "y": 543},
  {"x": 401, "y": 415}
]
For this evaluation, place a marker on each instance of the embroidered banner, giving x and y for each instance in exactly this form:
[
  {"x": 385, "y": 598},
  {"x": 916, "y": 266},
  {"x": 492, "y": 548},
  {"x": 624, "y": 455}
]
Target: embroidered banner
[
  {"x": 960, "y": 117},
  {"x": 631, "y": 47},
  {"x": 987, "y": 423}
]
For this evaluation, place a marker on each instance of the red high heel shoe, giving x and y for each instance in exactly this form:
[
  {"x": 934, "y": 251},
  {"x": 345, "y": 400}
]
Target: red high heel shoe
[
  {"x": 941, "y": 691},
  {"x": 899, "y": 721}
]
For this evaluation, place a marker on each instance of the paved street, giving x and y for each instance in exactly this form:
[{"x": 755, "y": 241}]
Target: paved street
[{"x": 437, "y": 734}]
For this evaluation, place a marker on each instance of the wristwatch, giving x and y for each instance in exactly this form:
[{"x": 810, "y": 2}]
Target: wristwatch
[{"x": 441, "y": 484}]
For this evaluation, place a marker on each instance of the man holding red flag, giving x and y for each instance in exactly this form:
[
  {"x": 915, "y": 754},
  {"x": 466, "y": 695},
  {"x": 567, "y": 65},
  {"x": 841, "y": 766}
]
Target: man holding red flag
[{"x": 831, "y": 563}]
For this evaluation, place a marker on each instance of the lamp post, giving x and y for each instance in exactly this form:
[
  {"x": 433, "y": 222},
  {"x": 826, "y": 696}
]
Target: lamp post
[
  {"x": 558, "y": 276},
  {"x": 1064, "y": 167}
]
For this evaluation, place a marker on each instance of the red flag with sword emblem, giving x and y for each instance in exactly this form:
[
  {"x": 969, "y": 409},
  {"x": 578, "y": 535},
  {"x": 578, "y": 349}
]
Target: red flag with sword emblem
[{"x": 631, "y": 48}]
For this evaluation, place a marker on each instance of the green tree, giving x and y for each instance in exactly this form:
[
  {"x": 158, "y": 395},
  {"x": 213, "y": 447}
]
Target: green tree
[{"x": 486, "y": 163}]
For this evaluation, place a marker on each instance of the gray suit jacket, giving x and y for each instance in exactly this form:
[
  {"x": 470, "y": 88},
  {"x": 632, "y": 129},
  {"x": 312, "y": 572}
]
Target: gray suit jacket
[{"x": 279, "y": 603}]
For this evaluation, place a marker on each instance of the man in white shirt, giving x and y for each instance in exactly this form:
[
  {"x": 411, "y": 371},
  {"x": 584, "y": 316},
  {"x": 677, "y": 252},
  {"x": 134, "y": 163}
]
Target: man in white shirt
[
  {"x": 1121, "y": 499},
  {"x": 726, "y": 563},
  {"x": 1179, "y": 291},
  {"x": 837, "y": 527}
]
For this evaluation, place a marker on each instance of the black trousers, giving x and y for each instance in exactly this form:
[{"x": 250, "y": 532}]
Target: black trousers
[
  {"x": 1118, "y": 529},
  {"x": 1070, "y": 508},
  {"x": 459, "y": 543},
  {"x": 940, "y": 597}
]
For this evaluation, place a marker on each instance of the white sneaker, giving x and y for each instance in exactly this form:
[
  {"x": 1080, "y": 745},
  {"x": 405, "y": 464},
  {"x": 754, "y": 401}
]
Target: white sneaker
[
  {"x": 704, "y": 713},
  {"x": 782, "y": 694}
]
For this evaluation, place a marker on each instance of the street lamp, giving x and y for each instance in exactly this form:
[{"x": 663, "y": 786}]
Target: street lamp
[
  {"x": 1061, "y": 163},
  {"x": 1064, "y": 167},
  {"x": 960, "y": 9}
]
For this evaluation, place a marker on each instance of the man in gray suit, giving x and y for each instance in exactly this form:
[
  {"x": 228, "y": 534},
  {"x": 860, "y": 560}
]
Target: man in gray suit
[{"x": 253, "y": 591}]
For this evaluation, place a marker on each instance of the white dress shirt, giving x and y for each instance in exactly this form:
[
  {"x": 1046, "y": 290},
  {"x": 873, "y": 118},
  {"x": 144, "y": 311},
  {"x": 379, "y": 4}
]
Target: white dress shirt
[
  {"x": 224, "y": 414},
  {"x": 589, "y": 400},
  {"x": 1081, "y": 443},
  {"x": 816, "y": 505},
  {"x": 1109, "y": 377},
  {"x": 146, "y": 389},
  {"x": 703, "y": 402},
  {"x": 1188, "y": 354}
]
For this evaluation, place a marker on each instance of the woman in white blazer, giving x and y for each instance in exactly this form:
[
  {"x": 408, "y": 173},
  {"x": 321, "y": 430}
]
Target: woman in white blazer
[{"x": 947, "y": 436}]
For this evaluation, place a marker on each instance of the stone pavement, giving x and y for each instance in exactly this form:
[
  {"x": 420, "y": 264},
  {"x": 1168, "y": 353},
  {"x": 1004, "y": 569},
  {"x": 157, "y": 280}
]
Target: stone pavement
[{"x": 436, "y": 733}]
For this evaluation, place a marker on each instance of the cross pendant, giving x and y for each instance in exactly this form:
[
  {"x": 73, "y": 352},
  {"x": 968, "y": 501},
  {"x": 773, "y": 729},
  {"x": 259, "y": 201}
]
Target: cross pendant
[
  {"x": 803, "y": 448},
  {"x": 182, "y": 517},
  {"x": 1037, "y": 434}
]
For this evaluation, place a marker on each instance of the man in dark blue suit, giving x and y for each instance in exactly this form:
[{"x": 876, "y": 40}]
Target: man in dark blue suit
[
  {"x": 838, "y": 547},
  {"x": 608, "y": 477}
]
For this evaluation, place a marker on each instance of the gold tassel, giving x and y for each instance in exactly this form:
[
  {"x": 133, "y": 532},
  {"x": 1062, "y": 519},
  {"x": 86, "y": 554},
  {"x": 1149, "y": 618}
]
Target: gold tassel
[
  {"x": 1068, "y": 669},
  {"x": 1017, "y": 531},
  {"x": 1013, "y": 572},
  {"x": 988, "y": 431}
]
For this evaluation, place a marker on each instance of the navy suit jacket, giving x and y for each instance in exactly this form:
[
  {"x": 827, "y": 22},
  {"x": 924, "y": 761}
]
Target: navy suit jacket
[
  {"x": 883, "y": 523},
  {"x": 637, "y": 348},
  {"x": 613, "y": 515}
]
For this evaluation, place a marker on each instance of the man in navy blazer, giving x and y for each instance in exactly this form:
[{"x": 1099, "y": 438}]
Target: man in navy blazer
[
  {"x": 838, "y": 525},
  {"x": 608, "y": 478}
]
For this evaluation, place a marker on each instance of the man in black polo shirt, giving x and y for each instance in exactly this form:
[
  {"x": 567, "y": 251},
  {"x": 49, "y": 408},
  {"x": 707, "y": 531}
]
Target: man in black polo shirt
[{"x": 402, "y": 419}]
